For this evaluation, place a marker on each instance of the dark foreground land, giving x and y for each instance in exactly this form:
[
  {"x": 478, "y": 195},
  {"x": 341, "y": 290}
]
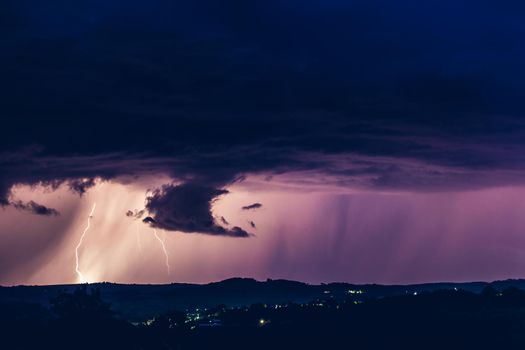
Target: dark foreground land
[{"x": 245, "y": 314}]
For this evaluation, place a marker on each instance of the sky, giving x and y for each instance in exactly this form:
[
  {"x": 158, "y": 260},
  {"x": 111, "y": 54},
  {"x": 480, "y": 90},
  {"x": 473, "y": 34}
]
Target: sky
[{"x": 372, "y": 141}]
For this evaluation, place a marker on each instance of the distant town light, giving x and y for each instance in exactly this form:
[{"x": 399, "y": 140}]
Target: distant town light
[{"x": 351, "y": 291}]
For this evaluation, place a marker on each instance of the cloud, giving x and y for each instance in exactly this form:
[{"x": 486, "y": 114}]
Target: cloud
[
  {"x": 224, "y": 221},
  {"x": 148, "y": 220},
  {"x": 137, "y": 214},
  {"x": 226, "y": 99},
  {"x": 252, "y": 206},
  {"x": 187, "y": 208},
  {"x": 35, "y": 208},
  {"x": 80, "y": 186}
]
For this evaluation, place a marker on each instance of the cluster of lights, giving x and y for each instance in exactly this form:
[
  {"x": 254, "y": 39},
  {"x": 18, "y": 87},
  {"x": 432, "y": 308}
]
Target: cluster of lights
[
  {"x": 351, "y": 291},
  {"x": 199, "y": 317},
  {"x": 149, "y": 322}
]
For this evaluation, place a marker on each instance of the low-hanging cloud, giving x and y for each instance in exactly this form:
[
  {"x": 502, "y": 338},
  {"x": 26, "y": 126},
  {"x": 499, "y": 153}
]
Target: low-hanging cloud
[
  {"x": 187, "y": 208},
  {"x": 136, "y": 214},
  {"x": 252, "y": 206},
  {"x": 35, "y": 208},
  {"x": 80, "y": 186}
]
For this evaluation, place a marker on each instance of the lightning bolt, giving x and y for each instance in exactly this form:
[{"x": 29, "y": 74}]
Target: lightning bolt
[
  {"x": 77, "y": 269},
  {"x": 163, "y": 249}
]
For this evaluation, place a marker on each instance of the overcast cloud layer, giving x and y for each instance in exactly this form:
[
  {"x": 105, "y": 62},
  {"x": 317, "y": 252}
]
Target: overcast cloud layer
[{"x": 380, "y": 94}]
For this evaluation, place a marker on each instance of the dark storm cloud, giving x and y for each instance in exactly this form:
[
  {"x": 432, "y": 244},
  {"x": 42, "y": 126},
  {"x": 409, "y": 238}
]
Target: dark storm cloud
[
  {"x": 187, "y": 208},
  {"x": 148, "y": 220},
  {"x": 80, "y": 186},
  {"x": 377, "y": 94},
  {"x": 35, "y": 208},
  {"x": 77, "y": 172},
  {"x": 252, "y": 206},
  {"x": 3, "y": 194}
]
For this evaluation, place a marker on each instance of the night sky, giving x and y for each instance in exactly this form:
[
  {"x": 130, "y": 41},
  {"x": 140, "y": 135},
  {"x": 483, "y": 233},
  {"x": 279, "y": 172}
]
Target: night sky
[{"x": 367, "y": 141}]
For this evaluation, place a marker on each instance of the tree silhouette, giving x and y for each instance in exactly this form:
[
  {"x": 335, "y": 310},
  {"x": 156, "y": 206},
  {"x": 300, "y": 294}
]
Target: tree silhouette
[{"x": 82, "y": 305}]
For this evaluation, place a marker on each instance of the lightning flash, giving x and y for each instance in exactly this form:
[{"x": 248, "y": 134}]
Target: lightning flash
[
  {"x": 81, "y": 278},
  {"x": 163, "y": 249}
]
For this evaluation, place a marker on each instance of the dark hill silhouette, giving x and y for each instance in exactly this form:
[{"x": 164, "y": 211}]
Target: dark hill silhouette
[
  {"x": 430, "y": 316},
  {"x": 136, "y": 302}
]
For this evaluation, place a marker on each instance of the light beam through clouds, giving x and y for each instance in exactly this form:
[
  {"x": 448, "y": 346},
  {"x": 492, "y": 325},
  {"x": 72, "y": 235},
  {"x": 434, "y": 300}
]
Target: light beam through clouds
[
  {"x": 137, "y": 234},
  {"x": 81, "y": 278},
  {"x": 318, "y": 236}
]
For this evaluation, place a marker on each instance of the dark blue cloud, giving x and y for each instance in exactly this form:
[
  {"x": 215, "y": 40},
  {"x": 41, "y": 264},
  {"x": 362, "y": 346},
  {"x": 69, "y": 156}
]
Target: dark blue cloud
[{"x": 211, "y": 90}]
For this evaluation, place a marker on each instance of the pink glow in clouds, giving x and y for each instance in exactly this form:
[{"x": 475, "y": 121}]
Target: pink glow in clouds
[{"x": 314, "y": 236}]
